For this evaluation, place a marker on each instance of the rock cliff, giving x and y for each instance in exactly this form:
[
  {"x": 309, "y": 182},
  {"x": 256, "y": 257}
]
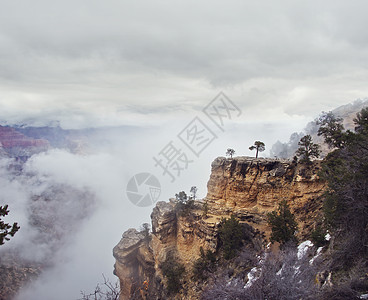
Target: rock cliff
[
  {"x": 246, "y": 187},
  {"x": 16, "y": 144},
  {"x": 250, "y": 188}
]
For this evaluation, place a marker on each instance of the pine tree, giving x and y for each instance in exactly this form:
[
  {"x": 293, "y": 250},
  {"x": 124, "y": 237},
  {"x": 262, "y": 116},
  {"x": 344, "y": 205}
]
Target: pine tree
[
  {"x": 258, "y": 146},
  {"x": 6, "y": 229},
  {"x": 230, "y": 152},
  {"x": 231, "y": 236},
  {"x": 307, "y": 149},
  {"x": 331, "y": 129},
  {"x": 282, "y": 223}
]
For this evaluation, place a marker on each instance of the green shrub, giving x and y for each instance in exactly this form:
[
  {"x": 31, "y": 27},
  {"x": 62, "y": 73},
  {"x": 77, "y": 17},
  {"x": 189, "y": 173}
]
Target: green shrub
[
  {"x": 283, "y": 224},
  {"x": 307, "y": 149},
  {"x": 173, "y": 271},
  {"x": 230, "y": 236},
  {"x": 204, "y": 264},
  {"x": 184, "y": 204},
  {"x": 318, "y": 236},
  {"x": 185, "y": 208},
  {"x": 331, "y": 208},
  {"x": 6, "y": 229},
  {"x": 145, "y": 230}
]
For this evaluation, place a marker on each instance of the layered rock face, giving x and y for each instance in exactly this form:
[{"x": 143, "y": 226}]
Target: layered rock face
[
  {"x": 250, "y": 188},
  {"x": 246, "y": 187},
  {"x": 138, "y": 258},
  {"x": 134, "y": 261},
  {"x": 16, "y": 144}
]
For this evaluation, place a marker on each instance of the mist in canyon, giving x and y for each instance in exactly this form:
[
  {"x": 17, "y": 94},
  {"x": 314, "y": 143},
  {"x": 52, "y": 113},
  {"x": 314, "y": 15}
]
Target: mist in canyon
[
  {"x": 91, "y": 93},
  {"x": 72, "y": 206}
]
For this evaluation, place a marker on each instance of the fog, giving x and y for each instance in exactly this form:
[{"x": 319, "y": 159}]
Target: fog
[
  {"x": 122, "y": 62},
  {"x": 73, "y": 207},
  {"x": 129, "y": 77}
]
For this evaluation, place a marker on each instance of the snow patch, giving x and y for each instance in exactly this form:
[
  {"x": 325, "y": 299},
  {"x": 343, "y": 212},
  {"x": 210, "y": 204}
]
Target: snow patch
[
  {"x": 319, "y": 250},
  {"x": 303, "y": 248},
  {"x": 251, "y": 277}
]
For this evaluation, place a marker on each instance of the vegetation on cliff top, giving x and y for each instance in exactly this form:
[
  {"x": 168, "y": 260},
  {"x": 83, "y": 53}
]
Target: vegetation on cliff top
[
  {"x": 341, "y": 272},
  {"x": 239, "y": 269},
  {"x": 258, "y": 146},
  {"x": 346, "y": 201},
  {"x": 307, "y": 149},
  {"x": 230, "y": 152}
]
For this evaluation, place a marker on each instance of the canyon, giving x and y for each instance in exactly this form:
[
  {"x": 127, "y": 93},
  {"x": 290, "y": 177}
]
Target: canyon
[{"x": 245, "y": 187}]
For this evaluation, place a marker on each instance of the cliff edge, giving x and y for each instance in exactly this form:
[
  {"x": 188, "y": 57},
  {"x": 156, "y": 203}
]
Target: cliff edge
[{"x": 245, "y": 187}]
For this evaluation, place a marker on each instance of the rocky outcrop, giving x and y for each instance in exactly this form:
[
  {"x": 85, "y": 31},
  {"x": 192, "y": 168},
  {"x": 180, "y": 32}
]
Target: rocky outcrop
[
  {"x": 138, "y": 259},
  {"x": 14, "y": 275},
  {"x": 250, "y": 188},
  {"x": 76, "y": 141},
  {"x": 246, "y": 187},
  {"x": 134, "y": 261},
  {"x": 16, "y": 144}
]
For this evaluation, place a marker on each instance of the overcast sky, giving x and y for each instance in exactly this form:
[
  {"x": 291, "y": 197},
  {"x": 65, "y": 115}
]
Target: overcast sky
[
  {"x": 99, "y": 63},
  {"x": 89, "y": 63}
]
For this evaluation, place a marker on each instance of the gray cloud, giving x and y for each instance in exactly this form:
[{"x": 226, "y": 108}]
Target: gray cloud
[
  {"x": 94, "y": 63},
  {"x": 81, "y": 57}
]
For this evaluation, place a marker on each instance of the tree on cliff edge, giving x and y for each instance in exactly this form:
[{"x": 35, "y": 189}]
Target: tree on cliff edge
[
  {"x": 331, "y": 128},
  {"x": 184, "y": 204},
  {"x": 307, "y": 149},
  {"x": 193, "y": 191},
  {"x": 258, "y": 146},
  {"x": 6, "y": 229},
  {"x": 230, "y": 152}
]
